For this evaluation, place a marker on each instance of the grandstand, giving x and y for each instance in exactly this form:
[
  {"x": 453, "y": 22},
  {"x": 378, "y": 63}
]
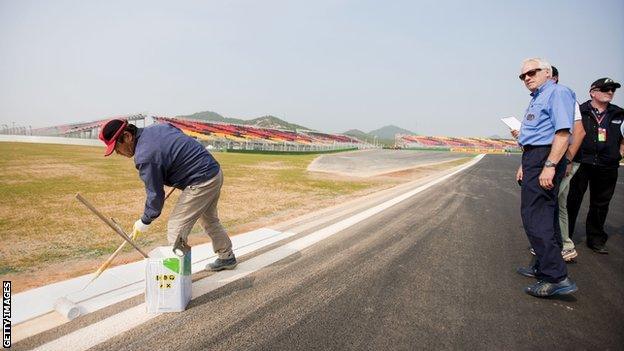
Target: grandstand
[
  {"x": 83, "y": 130},
  {"x": 243, "y": 137},
  {"x": 212, "y": 134},
  {"x": 456, "y": 143},
  {"x": 15, "y": 129},
  {"x": 228, "y": 136}
]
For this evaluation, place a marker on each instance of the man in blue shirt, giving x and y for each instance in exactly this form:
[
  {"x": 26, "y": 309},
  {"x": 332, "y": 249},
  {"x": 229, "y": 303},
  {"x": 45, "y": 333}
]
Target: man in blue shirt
[
  {"x": 164, "y": 155},
  {"x": 544, "y": 136},
  {"x": 568, "y": 251}
]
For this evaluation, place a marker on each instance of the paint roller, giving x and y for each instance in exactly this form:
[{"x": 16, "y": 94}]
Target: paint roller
[{"x": 66, "y": 308}]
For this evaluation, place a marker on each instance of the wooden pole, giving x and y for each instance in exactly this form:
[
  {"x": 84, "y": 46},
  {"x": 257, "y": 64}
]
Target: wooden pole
[
  {"x": 110, "y": 224},
  {"x": 117, "y": 228}
]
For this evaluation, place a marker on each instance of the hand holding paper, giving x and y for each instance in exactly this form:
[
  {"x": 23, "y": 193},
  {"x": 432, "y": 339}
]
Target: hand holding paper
[{"x": 512, "y": 123}]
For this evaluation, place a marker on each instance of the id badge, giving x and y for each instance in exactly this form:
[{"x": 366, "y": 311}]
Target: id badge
[{"x": 602, "y": 134}]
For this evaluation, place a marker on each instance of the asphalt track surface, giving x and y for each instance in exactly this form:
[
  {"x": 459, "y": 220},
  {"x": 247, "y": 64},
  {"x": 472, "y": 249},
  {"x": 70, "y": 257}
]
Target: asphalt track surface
[
  {"x": 433, "y": 272},
  {"x": 367, "y": 163}
]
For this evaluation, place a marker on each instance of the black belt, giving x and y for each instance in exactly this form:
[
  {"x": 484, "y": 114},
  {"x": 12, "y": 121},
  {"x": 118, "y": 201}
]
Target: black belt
[{"x": 531, "y": 147}]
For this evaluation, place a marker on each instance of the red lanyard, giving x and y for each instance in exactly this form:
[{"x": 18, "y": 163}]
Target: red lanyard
[
  {"x": 601, "y": 118},
  {"x": 604, "y": 114}
]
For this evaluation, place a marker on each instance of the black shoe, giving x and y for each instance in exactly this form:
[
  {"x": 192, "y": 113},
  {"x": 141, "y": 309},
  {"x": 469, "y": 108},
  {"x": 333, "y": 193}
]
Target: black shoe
[
  {"x": 221, "y": 264},
  {"x": 527, "y": 271},
  {"x": 546, "y": 289},
  {"x": 601, "y": 249}
]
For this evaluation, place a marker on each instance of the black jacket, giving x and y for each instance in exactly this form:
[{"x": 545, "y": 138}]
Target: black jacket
[{"x": 608, "y": 155}]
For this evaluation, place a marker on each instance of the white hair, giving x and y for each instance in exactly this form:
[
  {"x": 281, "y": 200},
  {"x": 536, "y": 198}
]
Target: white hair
[{"x": 541, "y": 63}]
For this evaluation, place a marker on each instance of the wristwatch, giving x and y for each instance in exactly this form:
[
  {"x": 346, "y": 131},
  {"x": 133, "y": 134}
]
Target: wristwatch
[{"x": 550, "y": 163}]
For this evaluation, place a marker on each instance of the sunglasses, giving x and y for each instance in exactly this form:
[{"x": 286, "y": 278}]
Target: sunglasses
[
  {"x": 606, "y": 89},
  {"x": 530, "y": 73}
]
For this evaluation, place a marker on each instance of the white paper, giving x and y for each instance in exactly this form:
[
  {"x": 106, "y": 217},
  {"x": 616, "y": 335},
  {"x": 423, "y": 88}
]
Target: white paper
[{"x": 512, "y": 123}]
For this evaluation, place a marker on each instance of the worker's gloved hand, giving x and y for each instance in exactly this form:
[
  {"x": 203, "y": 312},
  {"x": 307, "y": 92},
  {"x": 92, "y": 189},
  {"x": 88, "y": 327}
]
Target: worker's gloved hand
[{"x": 139, "y": 228}]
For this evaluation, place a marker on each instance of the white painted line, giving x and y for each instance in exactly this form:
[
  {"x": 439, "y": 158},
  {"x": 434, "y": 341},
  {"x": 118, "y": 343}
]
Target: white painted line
[
  {"x": 110, "y": 327},
  {"x": 49, "y": 140},
  {"x": 124, "y": 281}
]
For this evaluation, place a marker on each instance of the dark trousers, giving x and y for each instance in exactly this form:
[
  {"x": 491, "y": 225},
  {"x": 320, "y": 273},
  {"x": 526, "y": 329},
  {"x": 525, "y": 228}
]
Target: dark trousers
[
  {"x": 540, "y": 215},
  {"x": 601, "y": 183}
]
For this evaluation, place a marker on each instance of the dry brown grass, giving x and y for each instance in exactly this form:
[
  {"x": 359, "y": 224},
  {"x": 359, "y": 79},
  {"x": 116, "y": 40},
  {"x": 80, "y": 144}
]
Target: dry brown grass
[{"x": 49, "y": 236}]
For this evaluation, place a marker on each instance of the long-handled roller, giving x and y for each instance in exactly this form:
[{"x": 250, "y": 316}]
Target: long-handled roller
[
  {"x": 110, "y": 224},
  {"x": 109, "y": 261},
  {"x": 66, "y": 307}
]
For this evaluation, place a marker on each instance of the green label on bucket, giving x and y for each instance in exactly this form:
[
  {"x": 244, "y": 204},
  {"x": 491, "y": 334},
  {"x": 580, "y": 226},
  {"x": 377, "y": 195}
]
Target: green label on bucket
[
  {"x": 186, "y": 267},
  {"x": 172, "y": 263}
]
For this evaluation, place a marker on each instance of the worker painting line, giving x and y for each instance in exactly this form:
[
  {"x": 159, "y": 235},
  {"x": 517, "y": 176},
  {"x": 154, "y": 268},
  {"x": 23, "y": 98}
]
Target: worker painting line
[
  {"x": 164, "y": 155},
  {"x": 115, "y": 325}
]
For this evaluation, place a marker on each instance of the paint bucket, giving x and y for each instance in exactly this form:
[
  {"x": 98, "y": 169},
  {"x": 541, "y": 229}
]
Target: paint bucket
[{"x": 168, "y": 280}]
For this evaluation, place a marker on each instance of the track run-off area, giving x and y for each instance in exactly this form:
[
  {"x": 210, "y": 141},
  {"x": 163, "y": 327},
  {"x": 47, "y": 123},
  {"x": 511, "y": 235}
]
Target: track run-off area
[{"x": 431, "y": 268}]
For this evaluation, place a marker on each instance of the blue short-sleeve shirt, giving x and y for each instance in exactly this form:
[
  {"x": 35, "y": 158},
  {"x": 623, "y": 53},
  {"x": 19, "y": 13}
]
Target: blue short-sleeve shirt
[{"x": 551, "y": 109}]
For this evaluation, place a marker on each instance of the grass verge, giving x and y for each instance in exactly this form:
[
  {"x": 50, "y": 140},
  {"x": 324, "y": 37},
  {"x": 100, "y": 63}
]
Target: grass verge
[{"x": 45, "y": 229}]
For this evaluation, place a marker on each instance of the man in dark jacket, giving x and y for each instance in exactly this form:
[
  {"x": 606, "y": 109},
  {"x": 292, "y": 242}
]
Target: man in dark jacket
[
  {"x": 164, "y": 155},
  {"x": 600, "y": 154}
]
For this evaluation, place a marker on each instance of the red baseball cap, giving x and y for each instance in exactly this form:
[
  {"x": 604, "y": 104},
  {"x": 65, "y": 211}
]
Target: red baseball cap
[{"x": 110, "y": 132}]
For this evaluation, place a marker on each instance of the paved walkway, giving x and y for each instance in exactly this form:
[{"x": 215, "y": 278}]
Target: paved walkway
[{"x": 369, "y": 163}]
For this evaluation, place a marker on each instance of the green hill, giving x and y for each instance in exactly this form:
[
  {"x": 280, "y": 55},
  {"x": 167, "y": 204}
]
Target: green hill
[
  {"x": 388, "y": 132},
  {"x": 212, "y": 117},
  {"x": 356, "y": 133},
  {"x": 274, "y": 122},
  {"x": 262, "y": 122},
  {"x": 384, "y": 135}
]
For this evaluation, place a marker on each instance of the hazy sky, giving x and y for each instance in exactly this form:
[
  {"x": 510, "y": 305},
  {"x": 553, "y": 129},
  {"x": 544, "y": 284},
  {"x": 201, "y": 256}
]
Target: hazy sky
[{"x": 435, "y": 67}]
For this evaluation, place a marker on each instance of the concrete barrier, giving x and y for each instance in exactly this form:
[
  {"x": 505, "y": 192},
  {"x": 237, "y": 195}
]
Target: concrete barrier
[{"x": 49, "y": 140}]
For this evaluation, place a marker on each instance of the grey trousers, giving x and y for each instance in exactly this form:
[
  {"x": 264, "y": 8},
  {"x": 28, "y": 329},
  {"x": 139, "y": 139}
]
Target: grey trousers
[
  {"x": 199, "y": 203},
  {"x": 564, "y": 189}
]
